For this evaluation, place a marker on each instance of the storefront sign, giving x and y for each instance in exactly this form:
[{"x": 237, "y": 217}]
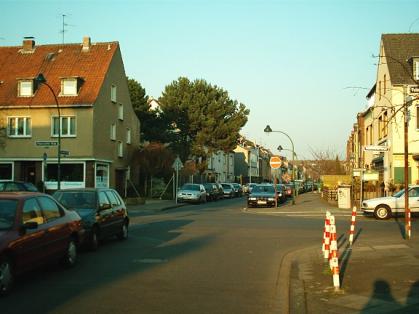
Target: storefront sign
[
  {"x": 370, "y": 176},
  {"x": 376, "y": 148},
  {"x": 52, "y": 185},
  {"x": 46, "y": 143}
]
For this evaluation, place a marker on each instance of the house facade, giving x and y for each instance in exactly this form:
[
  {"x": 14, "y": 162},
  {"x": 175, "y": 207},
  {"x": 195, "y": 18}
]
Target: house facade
[
  {"x": 86, "y": 97},
  {"x": 380, "y": 146}
]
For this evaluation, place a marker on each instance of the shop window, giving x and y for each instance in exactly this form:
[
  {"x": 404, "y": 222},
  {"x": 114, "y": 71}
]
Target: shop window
[
  {"x": 102, "y": 175},
  {"x": 6, "y": 171}
]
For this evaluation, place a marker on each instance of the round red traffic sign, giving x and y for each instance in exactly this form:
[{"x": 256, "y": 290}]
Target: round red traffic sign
[{"x": 275, "y": 162}]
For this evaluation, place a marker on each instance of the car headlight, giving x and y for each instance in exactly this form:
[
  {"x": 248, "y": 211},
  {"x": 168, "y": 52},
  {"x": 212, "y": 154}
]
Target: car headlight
[
  {"x": 271, "y": 199},
  {"x": 252, "y": 198}
]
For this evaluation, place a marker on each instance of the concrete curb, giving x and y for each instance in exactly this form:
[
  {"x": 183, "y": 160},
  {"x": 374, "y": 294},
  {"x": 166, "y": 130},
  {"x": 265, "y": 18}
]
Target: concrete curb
[{"x": 289, "y": 300}]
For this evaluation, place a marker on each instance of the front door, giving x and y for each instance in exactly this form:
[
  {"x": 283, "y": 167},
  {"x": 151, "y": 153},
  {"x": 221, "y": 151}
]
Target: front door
[
  {"x": 29, "y": 172},
  {"x": 120, "y": 181}
]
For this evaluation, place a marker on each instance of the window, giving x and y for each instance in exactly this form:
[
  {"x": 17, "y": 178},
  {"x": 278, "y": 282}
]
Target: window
[
  {"x": 385, "y": 124},
  {"x": 417, "y": 117},
  {"x": 102, "y": 175},
  {"x": 25, "y": 88},
  {"x": 68, "y": 126},
  {"x": 114, "y": 200},
  {"x": 121, "y": 112},
  {"x": 113, "y": 93},
  {"x": 50, "y": 208},
  {"x": 120, "y": 149},
  {"x": 380, "y": 127},
  {"x": 103, "y": 200},
  {"x": 69, "y": 172},
  {"x": 6, "y": 171},
  {"x": 69, "y": 87},
  {"x": 128, "y": 136},
  {"x": 32, "y": 212},
  {"x": 113, "y": 131},
  {"x": 385, "y": 84},
  {"x": 19, "y": 126},
  {"x": 379, "y": 90},
  {"x": 417, "y": 70}
]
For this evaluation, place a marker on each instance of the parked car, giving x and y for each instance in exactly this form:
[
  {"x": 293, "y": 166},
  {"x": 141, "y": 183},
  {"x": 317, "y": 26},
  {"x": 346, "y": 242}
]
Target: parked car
[
  {"x": 192, "y": 192},
  {"x": 238, "y": 190},
  {"x": 102, "y": 210},
  {"x": 281, "y": 190},
  {"x": 385, "y": 207},
  {"x": 212, "y": 191},
  {"x": 14, "y": 186},
  {"x": 220, "y": 190},
  {"x": 35, "y": 229},
  {"x": 228, "y": 190},
  {"x": 262, "y": 195},
  {"x": 247, "y": 188}
]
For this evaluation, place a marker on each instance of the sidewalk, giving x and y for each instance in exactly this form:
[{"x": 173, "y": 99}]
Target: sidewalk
[
  {"x": 379, "y": 274},
  {"x": 155, "y": 205}
]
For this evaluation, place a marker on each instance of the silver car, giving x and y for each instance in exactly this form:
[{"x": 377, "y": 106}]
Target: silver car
[
  {"x": 191, "y": 192},
  {"x": 385, "y": 207}
]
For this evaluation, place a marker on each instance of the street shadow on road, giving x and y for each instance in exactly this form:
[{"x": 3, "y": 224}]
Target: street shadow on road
[
  {"x": 400, "y": 223},
  {"x": 116, "y": 263},
  {"x": 346, "y": 255}
]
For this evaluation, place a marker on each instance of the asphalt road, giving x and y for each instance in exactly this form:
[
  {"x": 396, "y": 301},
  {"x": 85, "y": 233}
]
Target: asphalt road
[{"x": 209, "y": 258}]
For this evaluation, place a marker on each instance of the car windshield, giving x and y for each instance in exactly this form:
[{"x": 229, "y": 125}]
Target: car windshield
[
  {"x": 400, "y": 193},
  {"x": 77, "y": 199},
  {"x": 263, "y": 189},
  {"x": 190, "y": 187},
  {"x": 227, "y": 186},
  {"x": 7, "y": 213}
]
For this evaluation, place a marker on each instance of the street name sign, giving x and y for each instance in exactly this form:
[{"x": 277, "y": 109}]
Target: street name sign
[
  {"x": 376, "y": 148},
  {"x": 46, "y": 143},
  {"x": 275, "y": 162},
  {"x": 65, "y": 152}
]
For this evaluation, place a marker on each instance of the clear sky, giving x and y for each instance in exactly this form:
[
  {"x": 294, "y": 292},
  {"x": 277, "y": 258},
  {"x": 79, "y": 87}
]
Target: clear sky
[{"x": 289, "y": 62}]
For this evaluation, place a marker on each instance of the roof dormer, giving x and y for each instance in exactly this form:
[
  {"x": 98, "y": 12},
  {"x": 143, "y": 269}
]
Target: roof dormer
[
  {"x": 26, "y": 87},
  {"x": 70, "y": 86}
]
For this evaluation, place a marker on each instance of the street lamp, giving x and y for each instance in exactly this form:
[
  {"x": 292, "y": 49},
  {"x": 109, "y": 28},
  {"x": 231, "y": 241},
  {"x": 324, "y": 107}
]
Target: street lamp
[
  {"x": 269, "y": 130},
  {"x": 40, "y": 79}
]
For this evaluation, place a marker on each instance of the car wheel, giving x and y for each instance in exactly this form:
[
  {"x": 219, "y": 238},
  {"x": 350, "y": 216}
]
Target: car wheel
[
  {"x": 94, "y": 240},
  {"x": 123, "y": 233},
  {"x": 382, "y": 212},
  {"x": 6, "y": 276},
  {"x": 70, "y": 257}
]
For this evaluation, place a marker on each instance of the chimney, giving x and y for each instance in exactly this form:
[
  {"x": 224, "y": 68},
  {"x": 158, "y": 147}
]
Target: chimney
[
  {"x": 86, "y": 43},
  {"x": 28, "y": 44}
]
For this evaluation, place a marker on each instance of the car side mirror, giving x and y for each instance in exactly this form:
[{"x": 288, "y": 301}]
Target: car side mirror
[{"x": 28, "y": 225}]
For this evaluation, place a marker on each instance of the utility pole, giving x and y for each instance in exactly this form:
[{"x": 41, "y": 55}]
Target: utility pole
[{"x": 406, "y": 167}]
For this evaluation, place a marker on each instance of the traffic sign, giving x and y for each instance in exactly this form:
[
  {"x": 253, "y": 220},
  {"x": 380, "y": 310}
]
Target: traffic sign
[
  {"x": 177, "y": 164},
  {"x": 65, "y": 152},
  {"x": 275, "y": 162},
  {"x": 46, "y": 143},
  {"x": 376, "y": 148}
]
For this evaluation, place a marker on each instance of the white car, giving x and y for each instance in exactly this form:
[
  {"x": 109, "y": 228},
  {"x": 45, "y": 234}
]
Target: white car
[
  {"x": 385, "y": 207},
  {"x": 192, "y": 193}
]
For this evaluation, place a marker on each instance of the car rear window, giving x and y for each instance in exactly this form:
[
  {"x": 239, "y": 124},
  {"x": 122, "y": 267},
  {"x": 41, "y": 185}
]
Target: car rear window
[
  {"x": 76, "y": 199},
  {"x": 7, "y": 213},
  {"x": 260, "y": 188}
]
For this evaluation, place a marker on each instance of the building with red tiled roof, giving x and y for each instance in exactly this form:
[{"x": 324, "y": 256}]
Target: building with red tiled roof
[{"x": 88, "y": 99}]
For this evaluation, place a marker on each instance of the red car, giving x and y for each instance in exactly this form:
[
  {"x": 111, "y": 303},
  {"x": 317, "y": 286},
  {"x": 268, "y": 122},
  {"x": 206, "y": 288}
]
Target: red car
[{"x": 35, "y": 229}]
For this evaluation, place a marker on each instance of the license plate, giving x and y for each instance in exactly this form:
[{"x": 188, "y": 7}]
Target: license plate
[{"x": 261, "y": 202}]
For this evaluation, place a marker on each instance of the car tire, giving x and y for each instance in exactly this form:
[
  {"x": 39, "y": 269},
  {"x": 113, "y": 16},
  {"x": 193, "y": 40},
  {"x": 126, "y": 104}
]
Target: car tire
[
  {"x": 382, "y": 212},
  {"x": 123, "y": 233},
  {"x": 94, "y": 240},
  {"x": 6, "y": 276},
  {"x": 70, "y": 257}
]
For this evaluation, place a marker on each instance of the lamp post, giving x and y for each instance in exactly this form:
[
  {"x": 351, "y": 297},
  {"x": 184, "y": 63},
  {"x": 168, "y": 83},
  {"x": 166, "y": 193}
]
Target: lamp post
[
  {"x": 269, "y": 130},
  {"x": 42, "y": 80}
]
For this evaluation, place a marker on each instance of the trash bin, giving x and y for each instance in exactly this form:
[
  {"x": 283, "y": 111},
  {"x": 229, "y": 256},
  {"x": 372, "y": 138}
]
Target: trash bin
[{"x": 344, "y": 196}]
